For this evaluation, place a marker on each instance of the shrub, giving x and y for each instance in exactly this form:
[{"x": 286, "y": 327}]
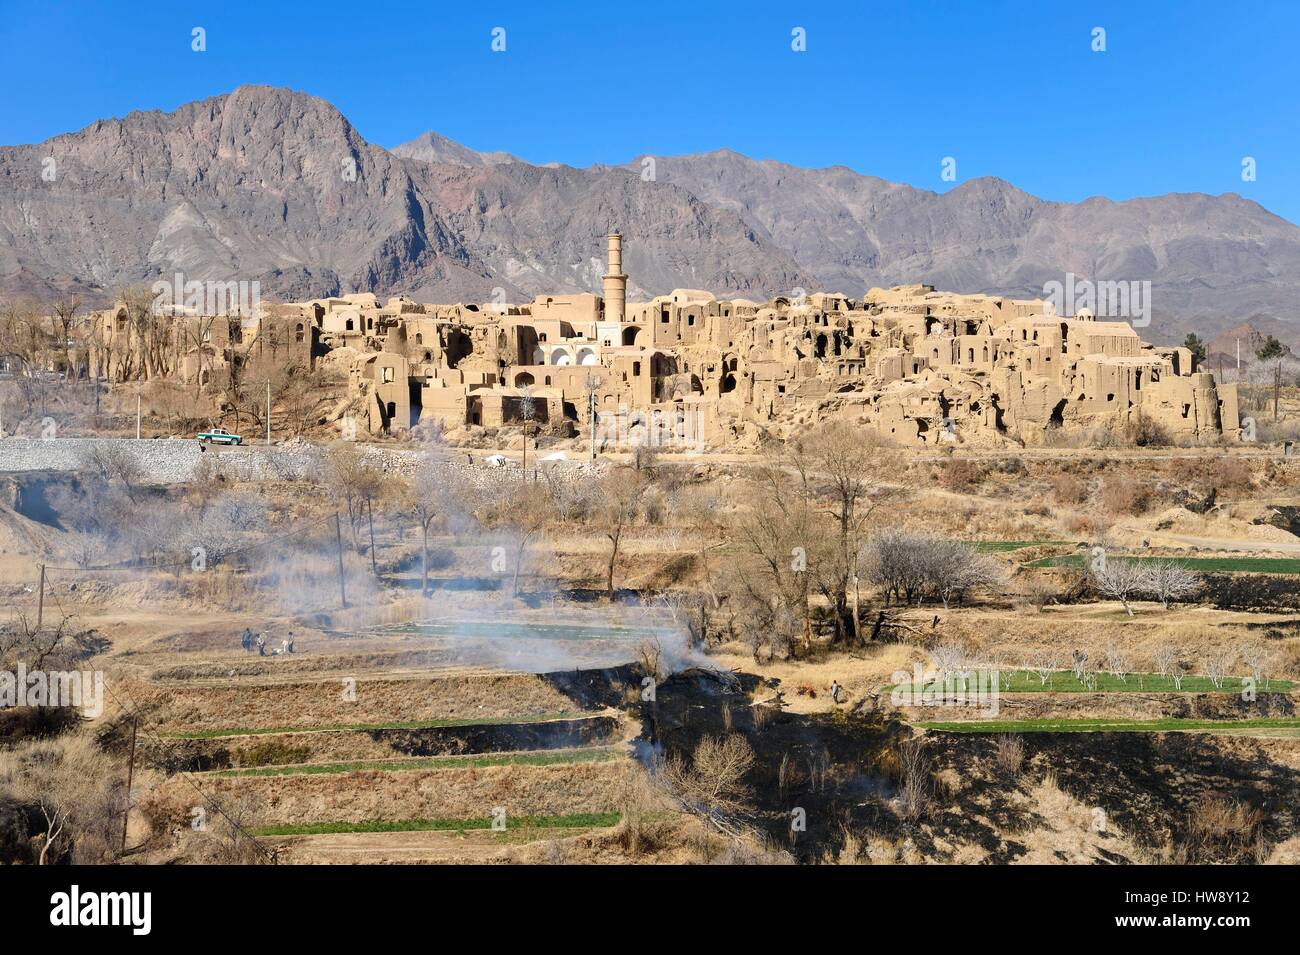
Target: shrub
[
  {"x": 1232, "y": 474},
  {"x": 714, "y": 779},
  {"x": 70, "y": 793},
  {"x": 1222, "y": 828},
  {"x": 1009, "y": 753},
  {"x": 1146, "y": 432},
  {"x": 1041, "y": 592},
  {"x": 915, "y": 787},
  {"x": 35, "y": 722},
  {"x": 1068, "y": 489},
  {"x": 1081, "y": 525},
  {"x": 1123, "y": 495},
  {"x": 909, "y": 565},
  {"x": 961, "y": 474}
]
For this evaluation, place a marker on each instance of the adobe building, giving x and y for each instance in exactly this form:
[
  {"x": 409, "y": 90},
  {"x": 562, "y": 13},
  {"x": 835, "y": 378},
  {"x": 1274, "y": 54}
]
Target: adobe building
[{"x": 920, "y": 366}]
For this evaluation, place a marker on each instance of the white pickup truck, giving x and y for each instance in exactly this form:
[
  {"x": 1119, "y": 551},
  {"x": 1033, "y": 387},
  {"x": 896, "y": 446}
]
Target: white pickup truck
[{"x": 219, "y": 436}]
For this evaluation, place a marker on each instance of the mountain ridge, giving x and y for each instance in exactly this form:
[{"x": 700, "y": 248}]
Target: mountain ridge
[{"x": 254, "y": 184}]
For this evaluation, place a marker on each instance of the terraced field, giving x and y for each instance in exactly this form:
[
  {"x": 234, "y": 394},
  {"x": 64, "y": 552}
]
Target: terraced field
[{"x": 394, "y": 769}]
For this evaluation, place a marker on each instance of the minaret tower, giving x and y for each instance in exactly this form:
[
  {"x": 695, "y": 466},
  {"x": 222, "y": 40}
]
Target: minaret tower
[{"x": 615, "y": 281}]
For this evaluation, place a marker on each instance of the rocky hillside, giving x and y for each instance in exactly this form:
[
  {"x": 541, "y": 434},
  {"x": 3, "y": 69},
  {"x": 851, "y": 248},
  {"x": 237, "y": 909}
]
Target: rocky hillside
[
  {"x": 1212, "y": 260},
  {"x": 278, "y": 186},
  {"x": 259, "y": 184}
]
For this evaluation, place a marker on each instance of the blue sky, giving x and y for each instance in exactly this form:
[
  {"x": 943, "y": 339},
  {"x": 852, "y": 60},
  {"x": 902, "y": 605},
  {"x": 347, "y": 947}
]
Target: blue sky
[{"x": 1183, "y": 91}]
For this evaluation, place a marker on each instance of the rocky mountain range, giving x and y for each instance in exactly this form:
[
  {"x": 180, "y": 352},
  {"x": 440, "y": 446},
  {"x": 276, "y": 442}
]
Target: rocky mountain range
[{"x": 277, "y": 186}]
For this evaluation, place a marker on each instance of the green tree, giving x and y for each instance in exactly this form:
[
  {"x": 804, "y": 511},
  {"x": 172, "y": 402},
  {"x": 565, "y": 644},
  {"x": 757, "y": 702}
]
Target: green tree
[
  {"x": 1271, "y": 349},
  {"x": 1194, "y": 345}
]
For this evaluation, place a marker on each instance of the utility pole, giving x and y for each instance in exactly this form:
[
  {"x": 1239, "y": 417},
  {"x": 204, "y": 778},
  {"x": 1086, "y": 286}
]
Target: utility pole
[
  {"x": 370, "y": 516},
  {"x": 40, "y": 606},
  {"x": 137, "y": 411},
  {"x": 593, "y": 383},
  {"x": 1238, "y": 354},
  {"x": 268, "y": 411},
  {"x": 130, "y": 780},
  {"x": 527, "y": 410},
  {"x": 1277, "y": 387},
  {"x": 338, "y": 537}
]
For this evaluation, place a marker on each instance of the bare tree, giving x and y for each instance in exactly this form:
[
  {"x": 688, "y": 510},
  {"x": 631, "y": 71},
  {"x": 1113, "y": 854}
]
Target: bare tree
[
  {"x": 1117, "y": 662},
  {"x": 1218, "y": 664},
  {"x": 426, "y": 495},
  {"x": 516, "y": 511},
  {"x": 649, "y": 656},
  {"x": 1120, "y": 580},
  {"x": 528, "y": 412},
  {"x": 570, "y": 493},
  {"x": 1256, "y": 658},
  {"x": 698, "y": 509},
  {"x": 948, "y": 657},
  {"x": 351, "y": 479},
  {"x": 781, "y": 548},
  {"x": 113, "y": 462},
  {"x": 52, "y": 645},
  {"x": 1079, "y": 663},
  {"x": 1167, "y": 665},
  {"x": 839, "y": 467},
  {"x": 1169, "y": 580},
  {"x": 224, "y": 525},
  {"x": 65, "y": 312},
  {"x": 1046, "y": 662},
  {"x": 1041, "y": 593},
  {"x": 618, "y": 504},
  {"x": 55, "y": 821},
  {"x": 955, "y": 568}
]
